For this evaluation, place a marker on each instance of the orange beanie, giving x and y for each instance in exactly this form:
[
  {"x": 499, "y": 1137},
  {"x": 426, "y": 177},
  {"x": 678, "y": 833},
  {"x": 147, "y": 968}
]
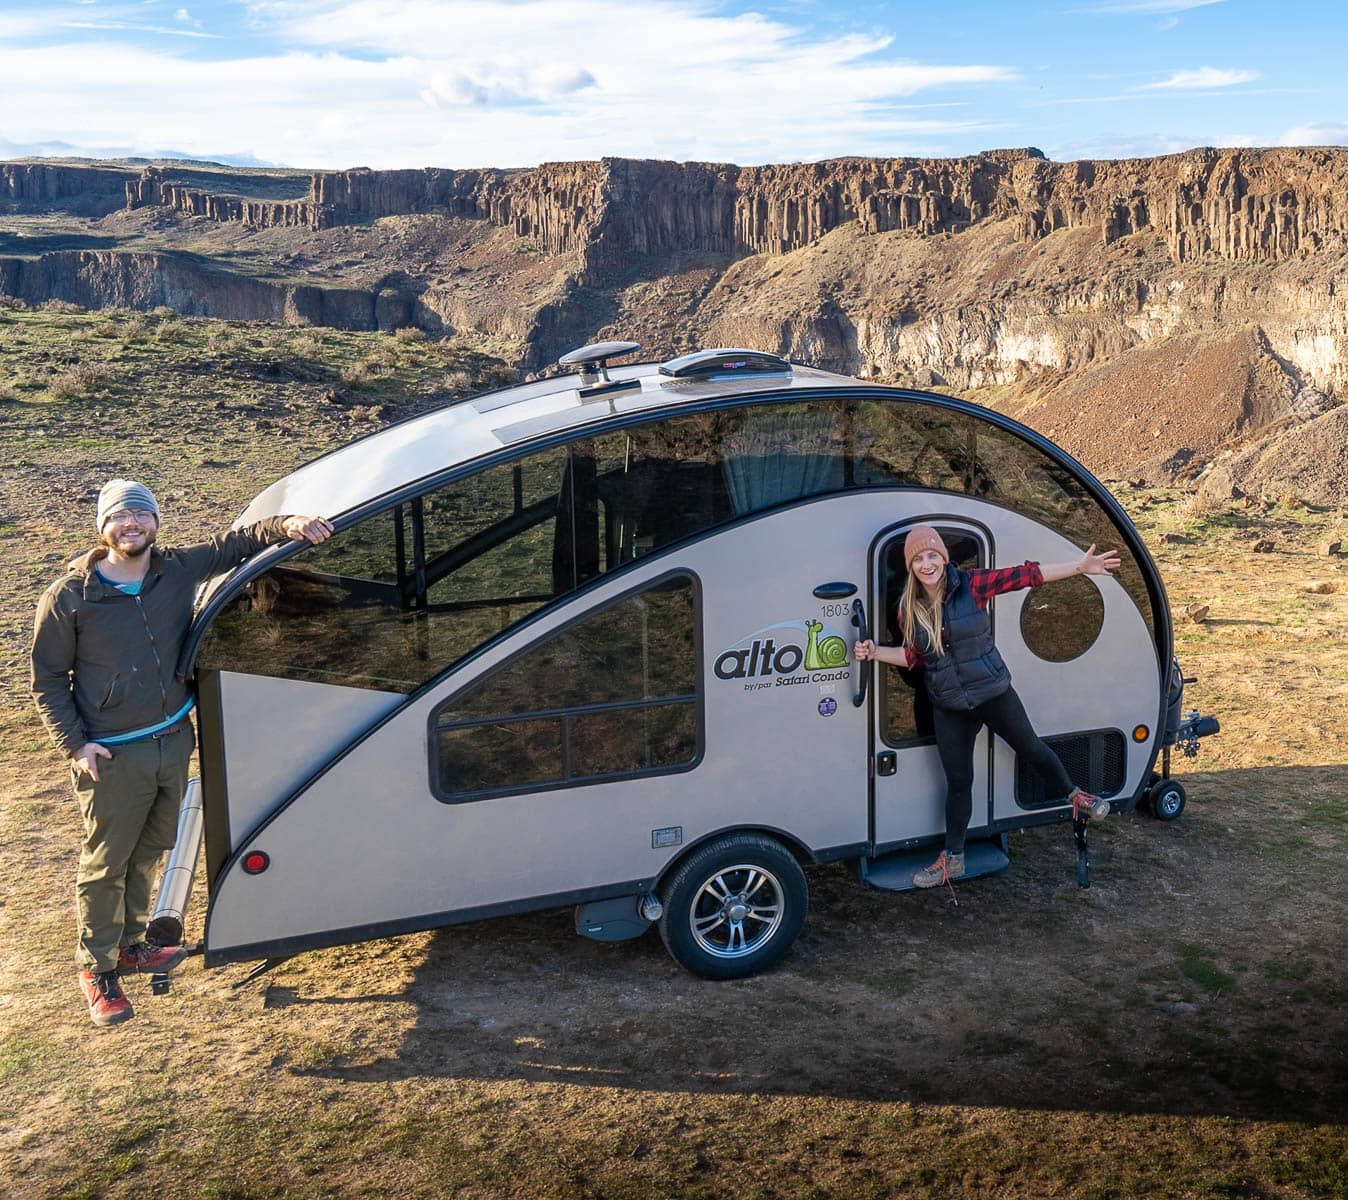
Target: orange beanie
[{"x": 920, "y": 538}]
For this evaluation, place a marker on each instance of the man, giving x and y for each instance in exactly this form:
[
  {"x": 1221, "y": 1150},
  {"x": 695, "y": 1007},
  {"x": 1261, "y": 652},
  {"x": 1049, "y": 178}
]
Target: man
[{"x": 105, "y": 646}]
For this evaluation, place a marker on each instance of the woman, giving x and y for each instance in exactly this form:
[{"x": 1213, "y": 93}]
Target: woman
[{"x": 944, "y": 620}]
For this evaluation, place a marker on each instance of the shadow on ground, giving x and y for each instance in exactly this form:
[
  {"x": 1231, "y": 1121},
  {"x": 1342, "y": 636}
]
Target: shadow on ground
[{"x": 1201, "y": 975}]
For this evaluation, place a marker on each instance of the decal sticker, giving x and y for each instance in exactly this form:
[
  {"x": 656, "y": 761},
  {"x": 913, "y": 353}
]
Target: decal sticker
[
  {"x": 828, "y": 706},
  {"x": 785, "y": 654}
]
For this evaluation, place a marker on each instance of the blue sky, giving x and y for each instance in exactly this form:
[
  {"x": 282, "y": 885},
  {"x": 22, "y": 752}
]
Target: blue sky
[{"x": 462, "y": 83}]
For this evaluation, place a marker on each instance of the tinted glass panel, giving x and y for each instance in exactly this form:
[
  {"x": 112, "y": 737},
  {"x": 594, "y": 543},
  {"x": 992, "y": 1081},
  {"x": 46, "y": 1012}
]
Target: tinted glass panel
[
  {"x": 391, "y": 602},
  {"x": 626, "y": 740},
  {"x": 1012, "y": 472},
  {"x": 473, "y": 758},
  {"x": 1061, "y": 622},
  {"x": 410, "y": 592},
  {"x": 615, "y": 694}
]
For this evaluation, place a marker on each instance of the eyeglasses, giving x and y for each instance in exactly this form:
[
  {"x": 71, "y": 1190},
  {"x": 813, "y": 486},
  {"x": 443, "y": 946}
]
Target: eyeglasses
[{"x": 123, "y": 515}]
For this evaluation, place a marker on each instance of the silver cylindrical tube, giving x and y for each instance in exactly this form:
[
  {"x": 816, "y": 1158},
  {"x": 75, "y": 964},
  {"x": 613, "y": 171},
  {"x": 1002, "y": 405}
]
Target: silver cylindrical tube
[{"x": 175, "y": 888}]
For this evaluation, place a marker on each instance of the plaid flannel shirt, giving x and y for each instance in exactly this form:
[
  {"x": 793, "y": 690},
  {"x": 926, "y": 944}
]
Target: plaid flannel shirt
[{"x": 984, "y": 584}]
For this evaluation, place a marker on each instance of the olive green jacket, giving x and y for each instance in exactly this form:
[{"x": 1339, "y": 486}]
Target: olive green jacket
[{"x": 103, "y": 661}]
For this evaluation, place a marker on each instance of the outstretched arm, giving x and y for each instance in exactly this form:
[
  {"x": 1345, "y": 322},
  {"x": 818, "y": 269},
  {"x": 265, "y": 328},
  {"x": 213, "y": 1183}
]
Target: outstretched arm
[{"x": 1089, "y": 563}]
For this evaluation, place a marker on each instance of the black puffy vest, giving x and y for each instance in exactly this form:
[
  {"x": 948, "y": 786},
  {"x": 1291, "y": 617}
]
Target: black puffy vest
[{"x": 971, "y": 670}]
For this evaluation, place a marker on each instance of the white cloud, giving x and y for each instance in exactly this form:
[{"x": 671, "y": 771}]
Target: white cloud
[
  {"x": 1331, "y": 133},
  {"x": 1146, "y": 145},
  {"x": 1148, "y": 8},
  {"x": 487, "y": 82},
  {"x": 1202, "y": 79},
  {"x": 62, "y": 20}
]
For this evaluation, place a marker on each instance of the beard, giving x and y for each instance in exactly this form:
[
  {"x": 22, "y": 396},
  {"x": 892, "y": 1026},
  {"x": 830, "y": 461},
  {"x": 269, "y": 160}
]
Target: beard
[{"x": 108, "y": 542}]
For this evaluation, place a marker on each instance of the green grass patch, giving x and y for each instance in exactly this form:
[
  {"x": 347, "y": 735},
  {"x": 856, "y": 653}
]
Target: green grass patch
[
  {"x": 23, "y": 1056},
  {"x": 1204, "y": 973}
]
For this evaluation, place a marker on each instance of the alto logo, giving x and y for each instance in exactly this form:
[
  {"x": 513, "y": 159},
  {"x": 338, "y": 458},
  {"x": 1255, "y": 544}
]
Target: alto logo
[{"x": 782, "y": 650}]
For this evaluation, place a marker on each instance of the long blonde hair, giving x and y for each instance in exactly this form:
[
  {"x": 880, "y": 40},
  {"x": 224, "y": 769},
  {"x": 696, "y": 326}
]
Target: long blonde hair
[{"x": 918, "y": 613}]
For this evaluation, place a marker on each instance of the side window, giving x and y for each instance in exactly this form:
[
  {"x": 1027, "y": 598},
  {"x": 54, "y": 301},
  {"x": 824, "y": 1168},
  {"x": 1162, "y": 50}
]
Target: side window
[
  {"x": 904, "y": 705},
  {"x": 393, "y": 601},
  {"x": 614, "y": 695}
]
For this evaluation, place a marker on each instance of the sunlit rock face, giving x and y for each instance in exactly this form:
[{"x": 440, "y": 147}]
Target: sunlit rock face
[{"x": 1105, "y": 302}]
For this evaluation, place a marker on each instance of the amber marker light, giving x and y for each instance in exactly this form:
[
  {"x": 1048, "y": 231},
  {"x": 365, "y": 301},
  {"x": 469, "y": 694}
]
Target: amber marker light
[
  {"x": 1141, "y": 733},
  {"x": 255, "y": 862}
]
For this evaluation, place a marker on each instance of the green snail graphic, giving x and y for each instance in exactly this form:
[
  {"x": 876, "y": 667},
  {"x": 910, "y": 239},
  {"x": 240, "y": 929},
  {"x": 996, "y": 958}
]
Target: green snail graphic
[{"x": 819, "y": 656}]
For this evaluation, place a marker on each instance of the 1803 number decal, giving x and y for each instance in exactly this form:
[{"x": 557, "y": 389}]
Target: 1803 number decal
[{"x": 836, "y": 609}]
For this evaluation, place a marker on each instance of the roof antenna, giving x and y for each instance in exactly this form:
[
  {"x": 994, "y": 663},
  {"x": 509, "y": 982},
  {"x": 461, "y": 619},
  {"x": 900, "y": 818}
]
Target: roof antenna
[{"x": 593, "y": 363}]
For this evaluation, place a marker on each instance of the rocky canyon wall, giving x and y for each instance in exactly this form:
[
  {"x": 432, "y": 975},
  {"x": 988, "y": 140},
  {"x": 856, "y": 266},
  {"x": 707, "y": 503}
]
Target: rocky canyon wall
[
  {"x": 1236, "y": 205},
  {"x": 94, "y": 190},
  {"x": 109, "y": 278}
]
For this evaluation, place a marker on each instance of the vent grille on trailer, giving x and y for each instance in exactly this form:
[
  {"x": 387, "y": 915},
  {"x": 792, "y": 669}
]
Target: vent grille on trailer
[{"x": 1096, "y": 761}]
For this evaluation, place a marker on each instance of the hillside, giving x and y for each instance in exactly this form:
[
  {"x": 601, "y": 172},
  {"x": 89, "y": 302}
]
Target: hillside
[{"x": 1153, "y": 315}]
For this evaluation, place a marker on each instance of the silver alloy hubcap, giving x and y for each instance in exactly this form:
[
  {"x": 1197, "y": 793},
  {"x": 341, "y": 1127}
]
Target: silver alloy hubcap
[{"x": 737, "y": 911}]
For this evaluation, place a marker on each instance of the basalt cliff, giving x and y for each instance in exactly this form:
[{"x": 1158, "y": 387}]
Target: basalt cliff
[{"x": 1151, "y": 314}]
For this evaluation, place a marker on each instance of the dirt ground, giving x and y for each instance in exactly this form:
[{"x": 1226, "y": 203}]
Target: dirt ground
[{"x": 1179, "y": 1029}]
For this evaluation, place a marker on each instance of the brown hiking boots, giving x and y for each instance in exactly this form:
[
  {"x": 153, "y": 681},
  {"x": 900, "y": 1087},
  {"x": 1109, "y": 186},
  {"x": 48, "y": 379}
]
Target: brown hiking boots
[
  {"x": 946, "y": 867},
  {"x": 108, "y": 1004},
  {"x": 141, "y": 958}
]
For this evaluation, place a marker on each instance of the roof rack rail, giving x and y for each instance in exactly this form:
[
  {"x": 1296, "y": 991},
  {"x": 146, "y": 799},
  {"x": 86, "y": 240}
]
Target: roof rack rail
[{"x": 725, "y": 363}]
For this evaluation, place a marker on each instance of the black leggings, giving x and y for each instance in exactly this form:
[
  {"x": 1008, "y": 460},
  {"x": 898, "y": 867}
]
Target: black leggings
[{"x": 1005, "y": 716}]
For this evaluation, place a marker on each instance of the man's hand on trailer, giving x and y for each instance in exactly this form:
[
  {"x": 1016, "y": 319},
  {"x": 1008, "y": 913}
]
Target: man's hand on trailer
[{"x": 308, "y": 529}]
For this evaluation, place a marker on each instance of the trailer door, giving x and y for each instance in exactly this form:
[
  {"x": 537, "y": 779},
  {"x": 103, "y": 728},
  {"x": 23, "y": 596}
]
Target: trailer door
[{"x": 908, "y": 795}]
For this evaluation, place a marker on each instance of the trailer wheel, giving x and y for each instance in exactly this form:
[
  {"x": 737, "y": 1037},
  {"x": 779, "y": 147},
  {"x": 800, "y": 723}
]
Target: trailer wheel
[
  {"x": 734, "y": 907},
  {"x": 1167, "y": 800}
]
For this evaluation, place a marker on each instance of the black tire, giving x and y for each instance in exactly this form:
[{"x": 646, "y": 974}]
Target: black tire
[
  {"x": 734, "y": 907},
  {"x": 1167, "y": 800}
]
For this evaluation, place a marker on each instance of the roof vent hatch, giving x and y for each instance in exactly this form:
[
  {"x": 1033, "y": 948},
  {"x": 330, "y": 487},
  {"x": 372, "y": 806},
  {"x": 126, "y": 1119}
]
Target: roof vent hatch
[{"x": 725, "y": 364}]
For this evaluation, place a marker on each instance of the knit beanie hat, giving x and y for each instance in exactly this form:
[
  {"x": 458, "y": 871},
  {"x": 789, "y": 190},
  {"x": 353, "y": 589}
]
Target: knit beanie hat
[
  {"x": 920, "y": 538},
  {"x": 118, "y": 494}
]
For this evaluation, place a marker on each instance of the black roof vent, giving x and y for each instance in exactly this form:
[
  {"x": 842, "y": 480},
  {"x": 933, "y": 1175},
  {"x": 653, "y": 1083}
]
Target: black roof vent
[
  {"x": 725, "y": 364},
  {"x": 593, "y": 363}
]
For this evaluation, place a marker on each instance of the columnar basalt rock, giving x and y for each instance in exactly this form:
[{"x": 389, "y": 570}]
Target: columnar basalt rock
[
  {"x": 42, "y": 184},
  {"x": 1236, "y": 205}
]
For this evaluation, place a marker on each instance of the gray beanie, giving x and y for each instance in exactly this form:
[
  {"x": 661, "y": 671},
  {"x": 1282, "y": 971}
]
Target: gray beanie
[{"x": 118, "y": 494}]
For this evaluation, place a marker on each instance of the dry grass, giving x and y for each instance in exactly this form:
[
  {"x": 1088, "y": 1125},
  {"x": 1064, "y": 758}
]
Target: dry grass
[
  {"x": 87, "y": 379},
  {"x": 1033, "y": 1042}
]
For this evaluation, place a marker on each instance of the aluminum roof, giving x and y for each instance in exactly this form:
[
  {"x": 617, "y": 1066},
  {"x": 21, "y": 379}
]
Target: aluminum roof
[{"x": 436, "y": 441}]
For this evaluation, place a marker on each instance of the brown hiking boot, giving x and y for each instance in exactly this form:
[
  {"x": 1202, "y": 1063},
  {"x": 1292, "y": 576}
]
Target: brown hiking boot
[
  {"x": 946, "y": 867},
  {"x": 108, "y": 1005},
  {"x": 1091, "y": 806},
  {"x": 144, "y": 959}
]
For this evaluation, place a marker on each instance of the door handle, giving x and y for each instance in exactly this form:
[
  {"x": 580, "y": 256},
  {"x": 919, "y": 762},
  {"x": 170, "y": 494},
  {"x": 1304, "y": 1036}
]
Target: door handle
[{"x": 861, "y": 670}]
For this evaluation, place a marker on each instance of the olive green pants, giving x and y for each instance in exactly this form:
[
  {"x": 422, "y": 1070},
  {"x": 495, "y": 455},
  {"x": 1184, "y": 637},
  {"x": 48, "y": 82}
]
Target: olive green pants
[{"x": 130, "y": 819}]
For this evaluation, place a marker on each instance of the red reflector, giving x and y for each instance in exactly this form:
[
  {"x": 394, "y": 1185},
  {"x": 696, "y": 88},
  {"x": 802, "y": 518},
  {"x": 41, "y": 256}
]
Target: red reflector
[{"x": 255, "y": 862}]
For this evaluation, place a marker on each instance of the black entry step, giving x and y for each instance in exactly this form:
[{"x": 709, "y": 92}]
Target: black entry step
[{"x": 894, "y": 872}]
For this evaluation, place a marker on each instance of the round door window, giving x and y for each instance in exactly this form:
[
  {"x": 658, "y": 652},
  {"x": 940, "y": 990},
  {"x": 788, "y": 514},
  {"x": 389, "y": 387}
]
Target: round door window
[{"x": 1060, "y": 621}]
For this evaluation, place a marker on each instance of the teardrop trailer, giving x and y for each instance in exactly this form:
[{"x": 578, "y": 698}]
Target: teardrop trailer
[{"x": 587, "y": 641}]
